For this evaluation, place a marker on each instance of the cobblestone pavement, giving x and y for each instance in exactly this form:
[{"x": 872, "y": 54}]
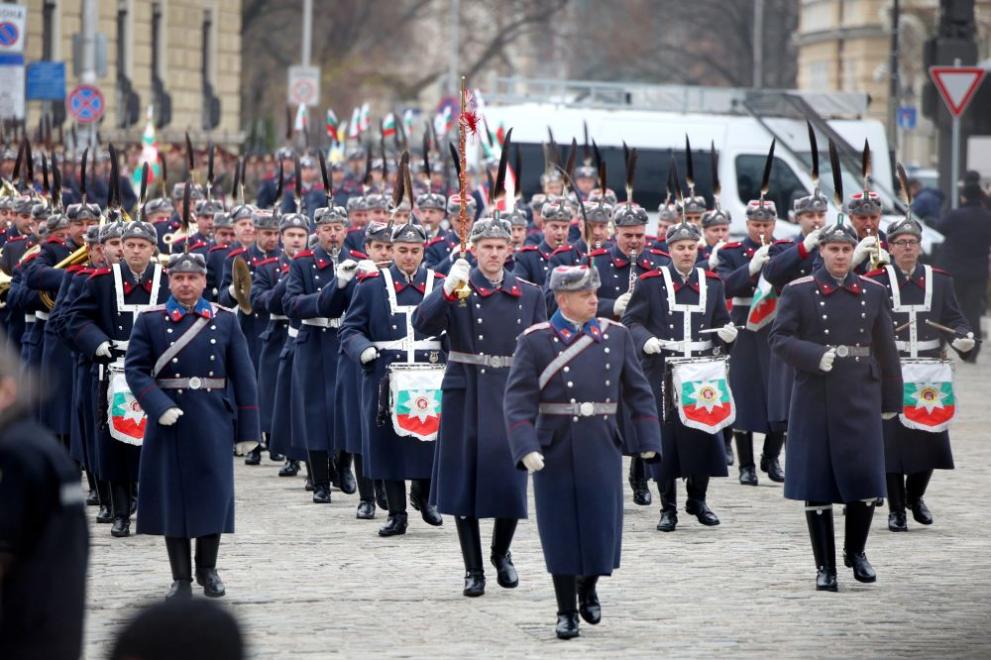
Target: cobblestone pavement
[{"x": 310, "y": 581}]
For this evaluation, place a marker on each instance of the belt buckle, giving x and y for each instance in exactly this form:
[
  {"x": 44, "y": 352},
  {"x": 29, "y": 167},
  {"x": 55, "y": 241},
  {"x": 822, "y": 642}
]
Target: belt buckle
[
  {"x": 843, "y": 351},
  {"x": 586, "y": 409},
  {"x": 497, "y": 361},
  {"x": 195, "y": 383}
]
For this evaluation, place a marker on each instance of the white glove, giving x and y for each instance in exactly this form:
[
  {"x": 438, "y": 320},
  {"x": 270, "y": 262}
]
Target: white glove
[
  {"x": 883, "y": 258},
  {"x": 170, "y": 417},
  {"x": 345, "y": 272},
  {"x": 826, "y": 361},
  {"x": 811, "y": 240},
  {"x": 727, "y": 333},
  {"x": 714, "y": 255},
  {"x": 456, "y": 250},
  {"x": 533, "y": 462},
  {"x": 887, "y": 416},
  {"x": 759, "y": 259},
  {"x": 457, "y": 276},
  {"x": 366, "y": 266},
  {"x": 647, "y": 455},
  {"x": 369, "y": 354},
  {"x": 652, "y": 346},
  {"x": 103, "y": 350},
  {"x": 230, "y": 290},
  {"x": 964, "y": 344},
  {"x": 863, "y": 250},
  {"x": 619, "y": 307},
  {"x": 242, "y": 448}
]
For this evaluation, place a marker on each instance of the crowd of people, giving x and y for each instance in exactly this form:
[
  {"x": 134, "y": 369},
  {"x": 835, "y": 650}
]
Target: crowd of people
[{"x": 365, "y": 326}]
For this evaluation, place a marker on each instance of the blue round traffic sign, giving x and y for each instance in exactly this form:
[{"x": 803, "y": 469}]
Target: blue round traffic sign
[
  {"x": 86, "y": 104},
  {"x": 8, "y": 34}
]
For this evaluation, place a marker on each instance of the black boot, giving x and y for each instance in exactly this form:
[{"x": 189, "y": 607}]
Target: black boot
[
  {"x": 308, "y": 484},
  {"x": 320, "y": 475},
  {"x": 858, "y": 526},
  {"x": 728, "y": 445},
  {"x": 335, "y": 478},
  {"x": 380, "y": 499},
  {"x": 121, "y": 493},
  {"x": 638, "y": 481},
  {"x": 695, "y": 503},
  {"x": 290, "y": 469},
  {"x": 182, "y": 570},
  {"x": 366, "y": 492},
  {"x": 420, "y": 499},
  {"x": 566, "y": 593},
  {"x": 471, "y": 551},
  {"x": 819, "y": 518},
  {"x": 745, "y": 450},
  {"x": 106, "y": 512},
  {"x": 896, "y": 502},
  {"x": 395, "y": 493},
  {"x": 93, "y": 496},
  {"x": 588, "y": 599},
  {"x": 502, "y": 536},
  {"x": 253, "y": 457},
  {"x": 769, "y": 463},
  {"x": 669, "y": 506},
  {"x": 345, "y": 479},
  {"x": 207, "y": 548},
  {"x": 915, "y": 488}
]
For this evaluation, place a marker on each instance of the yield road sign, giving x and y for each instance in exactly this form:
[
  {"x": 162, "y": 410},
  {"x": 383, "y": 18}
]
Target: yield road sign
[{"x": 957, "y": 84}]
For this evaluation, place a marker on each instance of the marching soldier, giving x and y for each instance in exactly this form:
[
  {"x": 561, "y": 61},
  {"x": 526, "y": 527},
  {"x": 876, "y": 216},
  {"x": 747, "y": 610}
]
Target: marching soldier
[
  {"x": 221, "y": 246},
  {"x": 834, "y": 328},
  {"x": 533, "y": 261},
  {"x": 357, "y": 221},
  {"x": 560, "y": 410},
  {"x": 535, "y": 232},
  {"x": 200, "y": 240},
  {"x": 921, "y": 296},
  {"x": 666, "y": 315},
  {"x": 871, "y": 252},
  {"x": 431, "y": 209},
  {"x": 99, "y": 322},
  {"x": 188, "y": 365},
  {"x": 447, "y": 244},
  {"x": 739, "y": 265},
  {"x": 376, "y": 332},
  {"x": 159, "y": 212},
  {"x": 474, "y": 475},
  {"x": 715, "y": 229}
]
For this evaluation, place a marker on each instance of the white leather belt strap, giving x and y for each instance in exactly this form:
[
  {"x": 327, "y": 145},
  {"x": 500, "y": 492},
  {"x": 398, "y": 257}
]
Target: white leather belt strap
[
  {"x": 583, "y": 409},
  {"x": 926, "y": 345},
  {"x": 852, "y": 351},
  {"x": 293, "y": 332},
  {"x": 481, "y": 360},
  {"x": 30, "y": 318},
  {"x": 278, "y": 317},
  {"x": 743, "y": 302},
  {"x": 323, "y": 322},
  {"x": 41, "y": 316},
  {"x": 194, "y": 383},
  {"x": 403, "y": 345},
  {"x": 120, "y": 345},
  {"x": 680, "y": 346}
]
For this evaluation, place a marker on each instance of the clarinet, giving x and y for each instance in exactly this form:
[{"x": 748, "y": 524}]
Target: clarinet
[{"x": 633, "y": 271}]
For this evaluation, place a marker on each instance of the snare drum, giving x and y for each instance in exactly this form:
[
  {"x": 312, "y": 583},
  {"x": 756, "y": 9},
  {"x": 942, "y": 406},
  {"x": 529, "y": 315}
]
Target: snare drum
[
  {"x": 125, "y": 418},
  {"x": 700, "y": 391},
  {"x": 928, "y": 401},
  {"x": 415, "y": 399}
]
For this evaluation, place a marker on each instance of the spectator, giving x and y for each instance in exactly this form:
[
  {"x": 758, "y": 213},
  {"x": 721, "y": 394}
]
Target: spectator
[
  {"x": 927, "y": 203},
  {"x": 190, "y": 630}
]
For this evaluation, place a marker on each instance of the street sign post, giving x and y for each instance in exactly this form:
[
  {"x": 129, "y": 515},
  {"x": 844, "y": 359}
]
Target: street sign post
[
  {"x": 957, "y": 85},
  {"x": 86, "y": 104},
  {"x": 304, "y": 86}
]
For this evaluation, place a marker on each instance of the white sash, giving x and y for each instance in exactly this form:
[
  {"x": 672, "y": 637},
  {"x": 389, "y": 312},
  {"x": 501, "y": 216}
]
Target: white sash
[
  {"x": 156, "y": 280},
  {"x": 686, "y": 309},
  {"x": 911, "y": 310},
  {"x": 405, "y": 310}
]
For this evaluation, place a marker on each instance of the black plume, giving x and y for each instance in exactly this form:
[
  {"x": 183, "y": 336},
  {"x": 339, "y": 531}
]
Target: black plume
[
  {"x": 184, "y": 219},
  {"x": 714, "y": 161},
  {"x": 237, "y": 179},
  {"x": 327, "y": 189},
  {"x": 689, "y": 167},
  {"x": 814, "y": 147},
  {"x": 82, "y": 175},
  {"x": 56, "y": 184},
  {"x": 44, "y": 175},
  {"x": 456, "y": 159},
  {"x": 499, "y": 189},
  {"x": 426, "y": 154},
  {"x": 190, "y": 156},
  {"x": 569, "y": 165},
  {"x": 765, "y": 182},
  {"x": 165, "y": 174},
  {"x": 834, "y": 165}
]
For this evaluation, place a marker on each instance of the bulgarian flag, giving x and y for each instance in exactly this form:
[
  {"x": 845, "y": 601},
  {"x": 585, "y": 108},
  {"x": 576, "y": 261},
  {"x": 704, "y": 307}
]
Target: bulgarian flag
[
  {"x": 355, "y": 131},
  {"x": 763, "y": 307},
  {"x": 703, "y": 396},
  {"x": 389, "y": 125},
  {"x": 444, "y": 120},
  {"x": 363, "y": 118},
  {"x": 927, "y": 395},
  {"x": 408, "y": 118},
  {"x": 149, "y": 154},
  {"x": 330, "y": 124}
]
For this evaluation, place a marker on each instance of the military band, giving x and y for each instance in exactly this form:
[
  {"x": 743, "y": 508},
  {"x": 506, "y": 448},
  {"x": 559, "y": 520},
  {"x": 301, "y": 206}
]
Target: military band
[{"x": 374, "y": 331}]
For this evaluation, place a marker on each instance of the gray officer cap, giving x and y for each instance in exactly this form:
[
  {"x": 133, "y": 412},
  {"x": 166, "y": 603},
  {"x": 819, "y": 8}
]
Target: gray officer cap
[
  {"x": 490, "y": 228},
  {"x": 574, "y": 278},
  {"x": 431, "y": 200},
  {"x": 599, "y": 213},
  {"x": 294, "y": 221},
  {"x": 409, "y": 233},
  {"x": 669, "y": 212},
  {"x": 628, "y": 215},
  {"x": 110, "y": 231},
  {"x": 41, "y": 211},
  {"x": 266, "y": 220},
  {"x": 378, "y": 231},
  {"x": 838, "y": 234},
  {"x": 356, "y": 203},
  {"x": 92, "y": 234},
  {"x": 516, "y": 217},
  {"x": 139, "y": 229},
  {"x": 609, "y": 196},
  {"x": 222, "y": 220},
  {"x": 376, "y": 201},
  {"x": 906, "y": 226},
  {"x": 159, "y": 205},
  {"x": 187, "y": 262},
  {"x": 208, "y": 207},
  {"x": 454, "y": 205},
  {"x": 556, "y": 210},
  {"x": 714, "y": 218},
  {"x": 195, "y": 191},
  {"x": 762, "y": 210},
  {"x": 23, "y": 205},
  {"x": 864, "y": 203},
  {"x": 54, "y": 222},
  {"x": 695, "y": 204},
  {"x": 242, "y": 212},
  {"x": 682, "y": 231},
  {"x": 814, "y": 203},
  {"x": 537, "y": 202},
  {"x": 331, "y": 215}
]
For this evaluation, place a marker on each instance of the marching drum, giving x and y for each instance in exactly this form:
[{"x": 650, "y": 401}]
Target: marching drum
[
  {"x": 928, "y": 402},
  {"x": 701, "y": 393},
  {"x": 125, "y": 418},
  {"x": 415, "y": 399}
]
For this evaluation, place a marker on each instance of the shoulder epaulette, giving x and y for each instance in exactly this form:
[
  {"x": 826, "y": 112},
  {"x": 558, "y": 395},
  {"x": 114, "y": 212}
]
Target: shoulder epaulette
[
  {"x": 153, "y": 308},
  {"x": 876, "y": 271},
  {"x": 528, "y": 248},
  {"x": 537, "y": 326},
  {"x": 659, "y": 251},
  {"x": 533, "y": 284},
  {"x": 55, "y": 240},
  {"x": 358, "y": 254},
  {"x": 598, "y": 253},
  {"x": 734, "y": 244},
  {"x": 302, "y": 254},
  {"x": 236, "y": 252},
  {"x": 801, "y": 280},
  {"x": 712, "y": 276},
  {"x": 219, "y": 247},
  {"x": 16, "y": 238},
  {"x": 270, "y": 260},
  {"x": 867, "y": 279},
  {"x": 650, "y": 273},
  {"x": 367, "y": 276},
  {"x": 438, "y": 276},
  {"x": 74, "y": 268},
  {"x": 354, "y": 229},
  {"x": 435, "y": 240},
  {"x": 562, "y": 249},
  {"x": 197, "y": 245},
  {"x": 86, "y": 271},
  {"x": 100, "y": 271},
  {"x": 606, "y": 321},
  {"x": 938, "y": 270},
  {"x": 781, "y": 241}
]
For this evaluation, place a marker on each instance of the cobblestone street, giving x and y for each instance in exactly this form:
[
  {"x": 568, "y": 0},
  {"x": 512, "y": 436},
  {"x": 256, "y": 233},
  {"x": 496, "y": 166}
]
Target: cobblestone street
[{"x": 310, "y": 581}]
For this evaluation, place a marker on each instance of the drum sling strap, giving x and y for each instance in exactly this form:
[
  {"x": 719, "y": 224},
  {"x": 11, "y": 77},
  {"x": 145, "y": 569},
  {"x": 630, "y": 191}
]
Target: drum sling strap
[
  {"x": 179, "y": 344},
  {"x": 563, "y": 358}
]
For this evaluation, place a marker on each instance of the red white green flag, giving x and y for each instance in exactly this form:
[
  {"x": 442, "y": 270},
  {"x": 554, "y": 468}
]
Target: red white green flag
[
  {"x": 127, "y": 419},
  {"x": 149, "y": 154},
  {"x": 330, "y": 125},
  {"x": 389, "y": 125},
  {"x": 415, "y": 397},
  {"x": 927, "y": 395},
  {"x": 763, "y": 307},
  {"x": 703, "y": 396}
]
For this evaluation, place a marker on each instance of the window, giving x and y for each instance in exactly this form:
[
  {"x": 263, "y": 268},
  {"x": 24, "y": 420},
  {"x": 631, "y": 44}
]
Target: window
[
  {"x": 49, "y": 30},
  {"x": 783, "y": 184},
  {"x": 211, "y": 104}
]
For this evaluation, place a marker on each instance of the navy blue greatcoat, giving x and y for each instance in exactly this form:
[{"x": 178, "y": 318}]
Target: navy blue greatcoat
[{"x": 273, "y": 338}]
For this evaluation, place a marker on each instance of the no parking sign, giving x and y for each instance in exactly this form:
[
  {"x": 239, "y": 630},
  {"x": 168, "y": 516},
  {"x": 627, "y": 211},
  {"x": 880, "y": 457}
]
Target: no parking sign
[
  {"x": 85, "y": 104},
  {"x": 12, "y": 26}
]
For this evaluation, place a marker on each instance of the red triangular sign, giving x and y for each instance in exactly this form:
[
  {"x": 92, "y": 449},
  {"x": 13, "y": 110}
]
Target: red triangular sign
[{"x": 957, "y": 84}]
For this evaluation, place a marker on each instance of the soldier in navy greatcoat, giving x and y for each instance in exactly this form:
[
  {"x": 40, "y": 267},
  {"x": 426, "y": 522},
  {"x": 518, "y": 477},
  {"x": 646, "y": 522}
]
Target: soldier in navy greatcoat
[
  {"x": 918, "y": 293},
  {"x": 533, "y": 261},
  {"x": 99, "y": 323},
  {"x": 560, "y": 407},
  {"x": 834, "y": 327},
  {"x": 740, "y": 265},
  {"x": 377, "y": 331},
  {"x": 865, "y": 210},
  {"x": 666, "y": 313},
  {"x": 474, "y": 475},
  {"x": 446, "y": 243},
  {"x": 188, "y": 366},
  {"x": 222, "y": 244}
]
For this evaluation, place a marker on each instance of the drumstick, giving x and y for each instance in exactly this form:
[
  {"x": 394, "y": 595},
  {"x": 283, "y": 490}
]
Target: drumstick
[
  {"x": 711, "y": 330},
  {"x": 940, "y": 326},
  {"x": 904, "y": 325}
]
